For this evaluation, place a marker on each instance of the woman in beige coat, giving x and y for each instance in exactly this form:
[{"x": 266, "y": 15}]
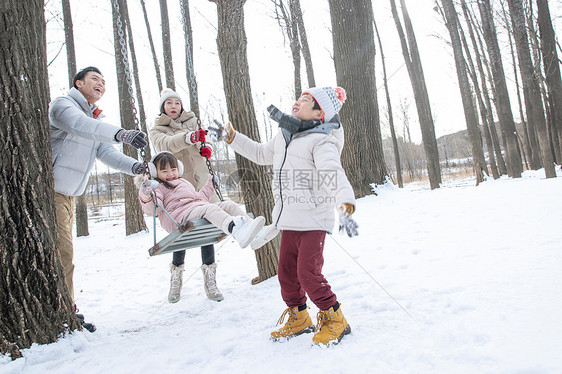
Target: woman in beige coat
[{"x": 175, "y": 130}]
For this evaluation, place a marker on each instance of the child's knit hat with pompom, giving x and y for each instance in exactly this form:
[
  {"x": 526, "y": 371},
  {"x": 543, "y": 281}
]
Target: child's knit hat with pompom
[{"x": 329, "y": 99}]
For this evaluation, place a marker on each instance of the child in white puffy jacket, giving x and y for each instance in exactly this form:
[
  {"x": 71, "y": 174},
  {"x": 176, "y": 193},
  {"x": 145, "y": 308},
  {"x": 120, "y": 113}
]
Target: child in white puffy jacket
[{"x": 308, "y": 183}]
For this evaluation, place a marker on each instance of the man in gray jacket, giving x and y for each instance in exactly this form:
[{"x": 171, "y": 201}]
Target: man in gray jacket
[{"x": 78, "y": 138}]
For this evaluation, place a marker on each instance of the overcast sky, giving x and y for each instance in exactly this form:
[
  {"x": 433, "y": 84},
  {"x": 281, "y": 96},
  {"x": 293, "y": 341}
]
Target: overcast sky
[{"x": 269, "y": 58}]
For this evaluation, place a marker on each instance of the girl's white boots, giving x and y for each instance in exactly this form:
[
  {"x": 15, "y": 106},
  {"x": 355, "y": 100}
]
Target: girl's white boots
[
  {"x": 210, "y": 282},
  {"x": 176, "y": 282}
]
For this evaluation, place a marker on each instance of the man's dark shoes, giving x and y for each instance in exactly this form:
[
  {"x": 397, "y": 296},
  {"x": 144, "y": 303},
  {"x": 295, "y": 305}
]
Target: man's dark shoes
[{"x": 88, "y": 326}]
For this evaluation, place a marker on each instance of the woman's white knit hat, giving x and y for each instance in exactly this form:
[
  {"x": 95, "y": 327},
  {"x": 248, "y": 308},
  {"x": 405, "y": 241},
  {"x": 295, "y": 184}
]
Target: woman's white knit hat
[
  {"x": 329, "y": 99},
  {"x": 166, "y": 94}
]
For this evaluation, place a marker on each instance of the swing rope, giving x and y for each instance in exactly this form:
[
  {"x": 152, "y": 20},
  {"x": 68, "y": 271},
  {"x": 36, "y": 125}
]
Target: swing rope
[{"x": 125, "y": 60}]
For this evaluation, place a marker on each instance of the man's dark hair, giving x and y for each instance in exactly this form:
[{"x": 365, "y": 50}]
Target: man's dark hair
[{"x": 82, "y": 73}]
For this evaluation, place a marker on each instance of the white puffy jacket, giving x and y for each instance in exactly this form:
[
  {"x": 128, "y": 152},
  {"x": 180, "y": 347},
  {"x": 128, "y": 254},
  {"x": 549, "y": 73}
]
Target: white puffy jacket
[
  {"x": 77, "y": 139},
  {"x": 308, "y": 179}
]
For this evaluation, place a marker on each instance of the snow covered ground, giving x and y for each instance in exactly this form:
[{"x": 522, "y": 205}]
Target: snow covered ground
[{"x": 461, "y": 279}]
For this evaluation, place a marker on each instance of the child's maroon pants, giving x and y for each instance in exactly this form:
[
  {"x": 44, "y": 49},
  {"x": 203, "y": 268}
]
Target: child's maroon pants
[{"x": 300, "y": 269}]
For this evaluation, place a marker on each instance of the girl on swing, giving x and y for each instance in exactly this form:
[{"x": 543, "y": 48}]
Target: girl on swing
[
  {"x": 176, "y": 130},
  {"x": 183, "y": 202}
]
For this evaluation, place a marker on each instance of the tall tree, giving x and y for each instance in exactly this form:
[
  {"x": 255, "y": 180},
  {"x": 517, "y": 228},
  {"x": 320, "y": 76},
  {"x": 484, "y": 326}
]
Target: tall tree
[
  {"x": 479, "y": 96},
  {"x": 35, "y": 306},
  {"x": 531, "y": 89},
  {"x": 233, "y": 55},
  {"x": 485, "y": 76},
  {"x": 503, "y": 106},
  {"x": 296, "y": 11},
  {"x": 289, "y": 26},
  {"x": 354, "y": 58},
  {"x": 134, "y": 219},
  {"x": 551, "y": 66},
  {"x": 135, "y": 73},
  {"x": 529, "y": 141},
  {"x": 470, "y": 115},
  {"x": 421, "y": 96},
  {"x": 390, "y": 115},
  {"x": 167, "y": 46},
  {"x": 152, "y": 49},
  {"x": 81, "y": 204},
  {"x": 189, "y": 64}
]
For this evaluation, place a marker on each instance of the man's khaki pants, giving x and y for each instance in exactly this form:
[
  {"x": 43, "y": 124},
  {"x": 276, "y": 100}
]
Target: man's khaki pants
[{"x": 65, "y": 217}]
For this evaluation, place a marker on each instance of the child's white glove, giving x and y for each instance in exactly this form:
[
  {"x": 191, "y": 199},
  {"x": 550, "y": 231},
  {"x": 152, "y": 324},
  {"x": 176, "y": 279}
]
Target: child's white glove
[
  {"x": 148, "y": 186},
  {"x": 347, "y": 224}
]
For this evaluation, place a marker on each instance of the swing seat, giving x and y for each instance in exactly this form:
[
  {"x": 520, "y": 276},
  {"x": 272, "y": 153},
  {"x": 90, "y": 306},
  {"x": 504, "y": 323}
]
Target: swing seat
[{"x": 191, "y": 234}]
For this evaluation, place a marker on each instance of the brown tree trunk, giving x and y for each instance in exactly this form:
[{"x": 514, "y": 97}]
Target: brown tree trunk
[
  {"x": 479, "y": 96},
  {"x": 152, "y": 49},
  {"x": 503, "y": 106},
  {"x": 189, "y": 64},
  {"x": 352, "y": 30},
  {"x": 134, "y": 219},
  {"x": 289, "y": 26},
  {"x": 531, "y": 89},
  {"x": 35, "y": 306},
  {"x": 486, "y": 105},
  {"x": 390, "y": 115},
  {"x": 527, "y": 139},
  {"x": 81, "y": 204},
  {"x": 551, "y": 67},
  {"x": 167, "y": 46},
  {"x": 415, "y": 71},
  {"x": 135, "y": 73},
  {"x": 296, "y": 12},
  {"x": 471, "y": 118},
  {"x": 233, "y": 55}
]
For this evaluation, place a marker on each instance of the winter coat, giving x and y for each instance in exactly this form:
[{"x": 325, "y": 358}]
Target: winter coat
[
  {"x": 177, "y": 201},
  {"x": 77, "y": 139},
  {"x": 308, "y": 179},
  {"x": 169, "y": 135}
]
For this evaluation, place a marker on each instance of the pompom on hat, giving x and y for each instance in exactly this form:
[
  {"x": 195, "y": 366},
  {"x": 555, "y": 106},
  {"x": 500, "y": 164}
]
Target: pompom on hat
[
  {"x": 329, "y": 99},
  {"x": 166, "y": 94}
]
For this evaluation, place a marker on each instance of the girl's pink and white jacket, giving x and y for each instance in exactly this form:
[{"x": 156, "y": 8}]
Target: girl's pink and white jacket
[{"x": 177, "y": 201}]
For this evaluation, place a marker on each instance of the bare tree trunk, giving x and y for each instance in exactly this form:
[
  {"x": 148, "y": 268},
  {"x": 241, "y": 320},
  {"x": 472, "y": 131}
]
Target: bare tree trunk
[
  {"x": 167, "y": 46},
  {"x": 390, "y": 115},
  {"x": 135, "y": 73},
  {"x": 296, "y": 12},
  {"x": 531, "y": 90},
  {"x": 478, "y": 46},
  {"x": 514, "y": 166},
  {"x": 81, "y": 204},
  {"x": 35, "y": 305},
  {"x": 479, "y": 97},
  {"x": 189, "y": 64},
  {"x": 528, "y": 142},
  {"x": 288, "y": 23},
  {"x": 415, "y": 71},
  {"x": 134, "y": 219},
  {"x": 551, "y": 67},
  {"x": 352, "y": 30},
  {"x": 470, "y": 115},
  {"x": 154, "y": 58},
  {"x": 233, "y": 55}
]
